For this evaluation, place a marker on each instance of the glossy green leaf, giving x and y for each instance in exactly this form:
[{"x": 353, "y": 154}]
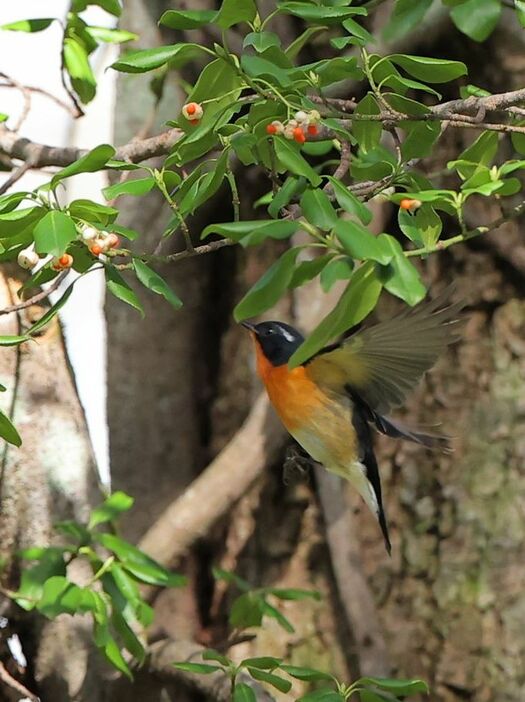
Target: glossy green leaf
[
  {"x": 8, "y": 431},
  {"x": 93, "y": 161},
  {"x": 52, "y": 311},
  {"x": 360, "y": 244},
  {"x": 259, "y": 67},
  {"x": 243, "y": 693},
  {"x": 111, "y": 36},
  {"x": 112, "y": 507},
  {"x": 274, "y": 680},
  {"x": 187, "y": 19},
  {"x": 117, "y": 286},
  {"x": 295, "y": 594},
  {"x": 269, "y": 610},
  {"x": 401, "y": 278},
  {"x": 13, "y": 340},
  {"x": 112, "y": 652},
  {"x": 261, "y": 40},
  {"x": 261, "y": 662},
  {"x": 358, "y": 300},
  {"x": 268, "y": 289},
  {"x": 477, "y": 18},
  {"x": 141, "y": 566},
  {"x": 145, "y": 60},
  {"x": 59, "y": 596},
  {"x": 323, "y": 694},
  {"x": 291, "y": 160},
  {"x": 249, "y": 232},
  {"x": 136, "y": 186},
  {"x": 358, "y": 32},
  {"x": 234, "y": 12},
  {"x": 433, "y": 70},
  {"x": 93, "y": 212},
  {"x": 211, "y": 655},
  {"x": 338, "y": 269},
  {"x": 397, "y": 687},
  {"x": 349, "y": 202},
  {"x": 320, "y": 14},
  {"x": 199, "y": 668},
  {"x": 77, "y": 65},
  {"x": 29, "y": 25},
  {"x": 152, "y": 280},
  {"x": 367, "y": 132},
  {"x": 420, "y": 139},
  {"x": 291, "y": 187},
  {"x": 405, "y": 17},
  {"x": 308, "y": 674},
  {"x": 54, "y": 232},
  {"x": 317, "y": 209},
  {"x": 246, "y": 611},
  {"x": 519, "y": 6},
  {"x": 308, "y": 270},
  {"x": 51, "y": 563},
  {"x": 128, "y": 637}
]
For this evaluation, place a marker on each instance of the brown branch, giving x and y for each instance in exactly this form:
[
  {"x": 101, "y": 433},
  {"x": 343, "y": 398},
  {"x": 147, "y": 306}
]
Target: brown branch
[
  {"x": 38, "y": 297},
  {"x": 10, "y": 681},
  {"x": 15, "y": 176},
  {"x": 12, "y": 83},
  {"x": 170, "y": 258},
  {"x": 213, "y": 493},
  {"x": 353, "y": 589}
]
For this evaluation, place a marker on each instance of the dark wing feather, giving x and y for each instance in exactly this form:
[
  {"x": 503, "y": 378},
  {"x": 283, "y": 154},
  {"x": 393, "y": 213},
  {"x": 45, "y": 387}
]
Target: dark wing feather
[{"x": 384, "y": 363}]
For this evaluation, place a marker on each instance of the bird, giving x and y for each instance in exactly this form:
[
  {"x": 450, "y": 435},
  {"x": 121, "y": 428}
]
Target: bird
[{"x": 330, "y": 403}]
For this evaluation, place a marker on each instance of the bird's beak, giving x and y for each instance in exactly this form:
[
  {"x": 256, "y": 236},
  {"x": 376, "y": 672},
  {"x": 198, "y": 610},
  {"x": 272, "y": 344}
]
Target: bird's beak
[{"x": 250, "y": 327}]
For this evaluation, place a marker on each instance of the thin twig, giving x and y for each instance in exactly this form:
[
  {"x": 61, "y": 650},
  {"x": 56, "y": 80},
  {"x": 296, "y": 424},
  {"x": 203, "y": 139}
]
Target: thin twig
[
  {"x": 10, "y": 681},
  {"x": 12, "y": 83},
  {"x": 42, "y": 295},
  {"x": 15, "y": 176},
  {"x": 170, "y": 258}
]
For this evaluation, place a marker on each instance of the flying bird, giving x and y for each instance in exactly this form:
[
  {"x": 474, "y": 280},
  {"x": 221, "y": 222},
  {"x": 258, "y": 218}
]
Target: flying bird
[{"x": 330, "y": 403}]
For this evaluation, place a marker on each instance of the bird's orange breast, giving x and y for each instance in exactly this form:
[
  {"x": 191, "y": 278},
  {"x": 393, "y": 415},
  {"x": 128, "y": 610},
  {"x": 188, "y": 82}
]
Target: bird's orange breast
[{"x": 295, "y": 397}]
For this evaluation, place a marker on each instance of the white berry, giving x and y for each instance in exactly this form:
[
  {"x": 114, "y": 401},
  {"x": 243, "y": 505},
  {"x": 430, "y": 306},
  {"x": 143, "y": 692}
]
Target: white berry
[{"x": 27, "y": 258}]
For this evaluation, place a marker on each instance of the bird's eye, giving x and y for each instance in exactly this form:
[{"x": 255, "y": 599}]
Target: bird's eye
[{"x": 270, "y": 331}]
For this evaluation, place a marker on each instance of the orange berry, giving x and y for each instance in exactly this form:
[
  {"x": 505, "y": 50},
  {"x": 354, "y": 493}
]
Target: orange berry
[
  {"x": 271, "y": 129},
  {"x": 298, "y": 135},
  {"x": 312, "y": 130},
  {"x": 194, "y": 121},
  {"x": 66, "y": 260},
  {"x": 192, "y": 110},
  {"x": 96, "y": 250},
  {"x": 112, "y": 241},
  {"x": 409, "y": 204}
]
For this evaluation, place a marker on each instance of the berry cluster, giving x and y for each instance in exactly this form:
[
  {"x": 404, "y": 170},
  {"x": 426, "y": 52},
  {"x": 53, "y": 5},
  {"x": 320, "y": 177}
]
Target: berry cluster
[
  {"x": 193, "y": 112},
  {"x": 304, "y": 124},
  {"x": 98, "y": 242}
]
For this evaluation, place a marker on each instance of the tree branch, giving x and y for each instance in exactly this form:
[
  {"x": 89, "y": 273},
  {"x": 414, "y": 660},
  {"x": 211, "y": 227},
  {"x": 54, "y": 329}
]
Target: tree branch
[{"x": 38, "y": 297}]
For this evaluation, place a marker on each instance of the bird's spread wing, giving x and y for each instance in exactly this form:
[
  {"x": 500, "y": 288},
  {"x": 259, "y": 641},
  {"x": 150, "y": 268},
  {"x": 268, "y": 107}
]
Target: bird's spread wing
[{"x": 383, "y": 363}]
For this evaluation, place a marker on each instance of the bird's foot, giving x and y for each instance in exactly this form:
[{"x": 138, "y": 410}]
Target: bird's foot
[{"x": 297, "y": 465}]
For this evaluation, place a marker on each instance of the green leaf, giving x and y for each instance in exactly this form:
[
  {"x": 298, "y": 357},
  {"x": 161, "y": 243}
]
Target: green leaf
[
  {"x": 229, "y": 577},
  {"x": 358, "y": 300},
  {"x": 349, "y": 202},
  {"x": 337, "y": 269},
  {"x": 367, "y": 132},
  {"x": 268, "y": 289},
  {"x": 323, "y": 694},
  {"x": 360, "y": 244},
  {"x": 8, "y": 431},
  {"x": 29, "y": 25},
  {"x": 295, "y": 594},
  {"x": 111, "y": 6},
  {"x": 406, "y": 16},
  {"x": 54, "y": 232},
  {"x": 152, "y": 280},
  {"x": 118, "y": 287},
  {"x": 199, "y": 668},
  {"x": 397, "y": 687},
  {"x": 519, "y": 6},
  {"x": 235, "y": 11},
  {"x": 261, "y": 662},
  {"x": 261, "y": 40},
  {"x": 477, "y": 18},
  {"x": 317, "y": 209},
  {"x": 243, "y": 693},
  {"x": 420, "y": 139},
  {"x": 13, "y": 340},
  {"x": 275, "y": 680},
  {"x": 112, "y": 507},
  {"x": 271, "y": 611},
  {"x": 113, "y": 654},
  {"x": 401, "y": 277},
  {"x": 145, "y": 60},
  {"x": 137, "y": 186},
  {"x": 211, "y": 655},
  {"x": 257, "y": 67},
  {"x": 93, "y": 212},
  {"x": 308, "y": 270},
  {"x": 246, "y": 611},
  {"x": 320, "y": 14},
  {"x": 295, "y": 47},
  {"x": 52, "y": 311},
  {"x": 73, "y": 530},
  {"x": 94, "y": 160},
  {"x": 291, "y": 160},
  {"x": 51, "y": 563},
  {"x": 141, "y": 566},
  {"x": 309, "y": 674},
  {"x": 111, "y": 36},
  {"x": 433, "y": 70},
  {"x": 59, "y": 596},
  {"x": 130, "y": 640},
  {"x": 251, "y": 232},
  {"x": 187, "y": 19},
  {"x": 358, "y": 32},
  {"x": 77, "y": 65}
]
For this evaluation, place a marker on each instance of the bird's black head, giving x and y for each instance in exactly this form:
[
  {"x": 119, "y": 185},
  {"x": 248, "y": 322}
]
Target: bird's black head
[{"x": 277, "y": 340}]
